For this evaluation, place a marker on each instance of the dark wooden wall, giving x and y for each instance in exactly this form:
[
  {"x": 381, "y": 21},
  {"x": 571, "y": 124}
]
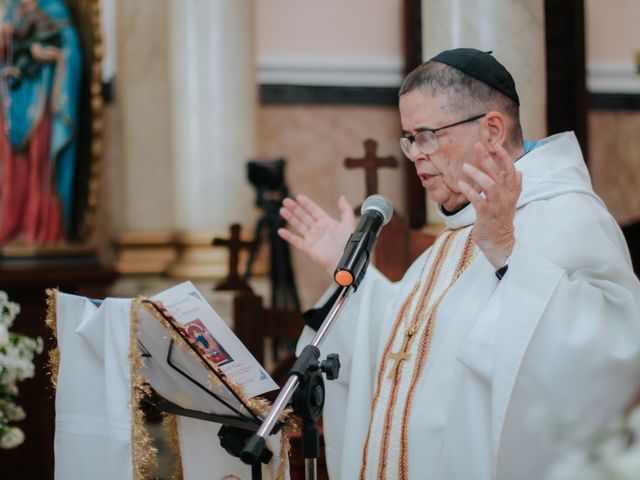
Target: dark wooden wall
[{"x": 566, "y": 68}]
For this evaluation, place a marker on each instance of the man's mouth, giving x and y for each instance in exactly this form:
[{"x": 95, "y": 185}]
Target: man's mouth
[{"x": 425, "y": 177}]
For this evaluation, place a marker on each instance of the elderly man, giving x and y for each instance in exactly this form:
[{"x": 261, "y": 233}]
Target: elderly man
[{"x": 526, "y": 302}]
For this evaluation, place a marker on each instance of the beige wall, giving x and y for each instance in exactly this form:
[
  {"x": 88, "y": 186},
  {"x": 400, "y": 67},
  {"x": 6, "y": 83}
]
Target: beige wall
[
  {"x": 614, "y": 161},
  {"x": 333, "y": 42},
  {"x": 329, "y": 27},
  {"x": 611, "y": 29},
  {"x": 612, "y": 41},
  {"x": 315, "y": 140}
]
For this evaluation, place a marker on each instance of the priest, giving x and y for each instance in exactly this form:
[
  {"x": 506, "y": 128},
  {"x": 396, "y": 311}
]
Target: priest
[{"x": 526, "y": 302}]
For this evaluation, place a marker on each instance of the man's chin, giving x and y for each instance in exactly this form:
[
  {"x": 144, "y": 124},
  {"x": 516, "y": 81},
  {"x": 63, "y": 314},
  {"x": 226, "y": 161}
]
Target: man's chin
[
  {"x": 438, "y": 197},
  {"x": 448, "y": 203}
]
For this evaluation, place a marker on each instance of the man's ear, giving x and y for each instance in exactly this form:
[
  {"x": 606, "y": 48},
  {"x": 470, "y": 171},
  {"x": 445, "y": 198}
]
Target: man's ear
[{"x": 494, "y": 130}]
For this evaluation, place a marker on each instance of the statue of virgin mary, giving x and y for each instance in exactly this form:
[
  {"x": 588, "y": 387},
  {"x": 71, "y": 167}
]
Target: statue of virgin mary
[{"x": 40, "y": 75}]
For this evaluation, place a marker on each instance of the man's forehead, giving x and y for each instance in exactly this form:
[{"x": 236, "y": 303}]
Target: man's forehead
[{"x": 420, "y": 110}]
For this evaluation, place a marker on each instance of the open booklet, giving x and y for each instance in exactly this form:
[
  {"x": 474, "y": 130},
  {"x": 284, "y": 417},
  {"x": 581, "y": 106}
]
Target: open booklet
[{"x": 195, "y": 361}]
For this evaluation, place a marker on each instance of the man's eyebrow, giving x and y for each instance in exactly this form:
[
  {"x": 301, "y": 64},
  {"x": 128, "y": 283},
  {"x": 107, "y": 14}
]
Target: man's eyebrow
[{"x": 418, "y": 130}]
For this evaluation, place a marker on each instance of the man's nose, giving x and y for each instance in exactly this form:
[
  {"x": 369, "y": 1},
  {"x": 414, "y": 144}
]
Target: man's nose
[{"x": 414, "y": 153}]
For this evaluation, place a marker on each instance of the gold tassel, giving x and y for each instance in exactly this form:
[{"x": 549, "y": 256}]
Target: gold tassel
[
  {"x": 170, "y": 425},
  {"x": 143, "y": 452},
  {"x": 51, "y": 320}
]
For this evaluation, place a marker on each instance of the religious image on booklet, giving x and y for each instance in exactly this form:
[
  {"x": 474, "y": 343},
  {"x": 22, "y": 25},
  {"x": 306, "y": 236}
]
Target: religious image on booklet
[
  {"x": 193, "y": 360},
  {"x": 207, "y": 329},
  {"x": 200, "y": 334}
]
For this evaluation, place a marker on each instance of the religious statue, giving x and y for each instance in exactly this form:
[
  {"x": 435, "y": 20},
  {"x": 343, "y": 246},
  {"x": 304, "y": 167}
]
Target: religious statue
[{"x": 40, "y": 76}]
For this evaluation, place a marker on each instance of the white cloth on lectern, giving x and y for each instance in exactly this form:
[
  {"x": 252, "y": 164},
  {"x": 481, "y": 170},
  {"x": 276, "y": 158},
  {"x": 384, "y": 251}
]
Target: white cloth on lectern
[
  {"x": 93, "y": 411},
  {"x": 204, "y": 459},
  {"x": 93, "y": 419}
]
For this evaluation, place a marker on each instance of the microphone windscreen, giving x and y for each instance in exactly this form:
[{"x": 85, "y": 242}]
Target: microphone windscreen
[{"x": 380, "y": 204}]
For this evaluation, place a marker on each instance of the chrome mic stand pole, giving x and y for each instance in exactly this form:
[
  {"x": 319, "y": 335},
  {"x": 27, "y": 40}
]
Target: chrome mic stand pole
[{"x": 307, "y": 362}]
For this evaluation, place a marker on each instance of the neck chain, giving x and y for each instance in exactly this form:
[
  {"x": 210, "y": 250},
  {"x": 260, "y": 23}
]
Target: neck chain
[{"x": 421, "y": 314}]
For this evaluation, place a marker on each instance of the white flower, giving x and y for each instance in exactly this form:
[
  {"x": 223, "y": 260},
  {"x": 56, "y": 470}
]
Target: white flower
[
  {"x": 12, "y": 412},
  {"x": 4, "y": 335},
  {"x": 607, "y": 453},
  {"x": 11, "y": 437},
  {"x": 575, "y": 466},
  {"x": 16, "y": 364}
]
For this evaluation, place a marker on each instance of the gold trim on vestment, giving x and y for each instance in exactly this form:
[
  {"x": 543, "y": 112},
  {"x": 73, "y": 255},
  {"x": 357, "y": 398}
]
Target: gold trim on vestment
[
  {"x": 416, "y": 319},
  {"x": 385, "y": 356},
  {"x": 421, "y": 359}
]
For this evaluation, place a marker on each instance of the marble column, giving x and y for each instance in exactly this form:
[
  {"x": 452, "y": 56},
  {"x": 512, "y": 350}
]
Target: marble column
[
  {"x": 186, "y": 100},
  {"x": 512, "y": 29},
  {"x": 138, "y": 140},
  {"x": 213, "y": 98}
]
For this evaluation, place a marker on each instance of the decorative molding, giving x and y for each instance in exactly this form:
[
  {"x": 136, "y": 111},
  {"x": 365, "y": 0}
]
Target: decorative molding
[
  {"x": 614, "y": 101},
  {"x": 324, "y": 95},
  {"x": 330, "y": 70},
  {"x": 613, "y": 77}
]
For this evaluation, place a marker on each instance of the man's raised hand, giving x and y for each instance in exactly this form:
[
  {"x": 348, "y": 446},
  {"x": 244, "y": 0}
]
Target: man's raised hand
[
  {"x": 493, "y": 190},
  {"x": 315, "y": 232}
]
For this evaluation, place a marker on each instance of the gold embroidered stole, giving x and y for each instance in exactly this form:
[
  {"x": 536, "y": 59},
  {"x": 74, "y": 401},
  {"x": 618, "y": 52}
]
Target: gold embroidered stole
[{"x": 405, "y": 354}]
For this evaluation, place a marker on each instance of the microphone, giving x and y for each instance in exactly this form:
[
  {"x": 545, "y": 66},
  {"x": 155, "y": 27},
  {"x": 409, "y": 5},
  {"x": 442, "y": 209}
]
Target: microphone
[{"x": 376, "y": 212}]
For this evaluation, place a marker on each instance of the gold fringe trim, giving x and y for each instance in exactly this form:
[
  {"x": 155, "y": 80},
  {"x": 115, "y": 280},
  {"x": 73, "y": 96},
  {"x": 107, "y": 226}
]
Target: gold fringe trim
[
  {"x": 170, "y": 425},
  {"x": 51, "y": 320},
  {"x": 259, "y": 405},
  {"x": 143, "y": 452}
]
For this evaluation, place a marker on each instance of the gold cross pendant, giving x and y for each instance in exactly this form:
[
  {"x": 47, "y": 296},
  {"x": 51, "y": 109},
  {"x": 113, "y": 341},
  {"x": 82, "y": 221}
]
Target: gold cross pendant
[{"x": 397, "y": 357}]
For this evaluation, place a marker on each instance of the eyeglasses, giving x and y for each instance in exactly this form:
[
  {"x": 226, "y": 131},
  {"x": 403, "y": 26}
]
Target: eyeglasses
[{"x": 426, "y": 140}]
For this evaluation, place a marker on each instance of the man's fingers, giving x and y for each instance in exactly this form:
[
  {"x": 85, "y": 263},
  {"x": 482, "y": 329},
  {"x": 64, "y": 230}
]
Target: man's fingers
[
  {"x": 288, "y": 215},
  {"x": 474, "y": 197},
  {"x": 294, "y": 240},
  {"x": 311, "y": 208},
  {"x": 506, "y": 164},
  {"x": 346, "y": 211},
  {"x": 498, "y": 166},
  {"x": 518, "y": 181},
  {"x": 482, "y": 179},
  {"x": 299, "y": 211}
]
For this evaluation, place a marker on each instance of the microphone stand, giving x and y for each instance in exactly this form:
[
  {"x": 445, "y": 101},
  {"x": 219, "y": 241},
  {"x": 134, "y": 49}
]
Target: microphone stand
[{"x": 305, "y": 381}]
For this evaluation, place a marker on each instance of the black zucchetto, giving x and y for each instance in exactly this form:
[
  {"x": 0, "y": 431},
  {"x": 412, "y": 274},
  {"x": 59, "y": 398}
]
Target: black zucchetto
[{"x": 482, "y": 66}]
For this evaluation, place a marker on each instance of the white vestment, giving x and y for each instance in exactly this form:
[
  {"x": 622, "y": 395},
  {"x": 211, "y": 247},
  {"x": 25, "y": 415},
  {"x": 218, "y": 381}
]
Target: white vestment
[{"x": 559, "y": 333}]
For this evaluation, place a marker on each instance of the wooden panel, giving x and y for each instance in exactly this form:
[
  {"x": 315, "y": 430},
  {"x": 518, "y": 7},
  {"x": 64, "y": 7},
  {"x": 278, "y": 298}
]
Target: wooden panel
[{"x": 566, "y": 82}]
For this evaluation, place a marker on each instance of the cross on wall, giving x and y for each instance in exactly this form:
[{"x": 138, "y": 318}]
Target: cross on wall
[
  {"x": 235, "y": 245},
  {"x": 371, "y": 163}
]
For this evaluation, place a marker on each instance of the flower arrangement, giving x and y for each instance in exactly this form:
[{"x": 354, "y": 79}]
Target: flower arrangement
[
  {"x": 16, "y": 364},
  {"x": 611, "y": 452}
]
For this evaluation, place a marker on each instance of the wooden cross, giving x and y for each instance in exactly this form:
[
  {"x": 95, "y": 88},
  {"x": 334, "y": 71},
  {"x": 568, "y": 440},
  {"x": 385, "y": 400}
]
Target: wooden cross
[
  {"x": 397, "y": 358},
  {"x": 371, "y": 163},
  {"x": 235, "y": 245}
]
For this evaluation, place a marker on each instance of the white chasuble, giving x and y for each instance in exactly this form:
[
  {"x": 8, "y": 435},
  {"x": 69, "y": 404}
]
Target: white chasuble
[{"x": 560, "y": 333}]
